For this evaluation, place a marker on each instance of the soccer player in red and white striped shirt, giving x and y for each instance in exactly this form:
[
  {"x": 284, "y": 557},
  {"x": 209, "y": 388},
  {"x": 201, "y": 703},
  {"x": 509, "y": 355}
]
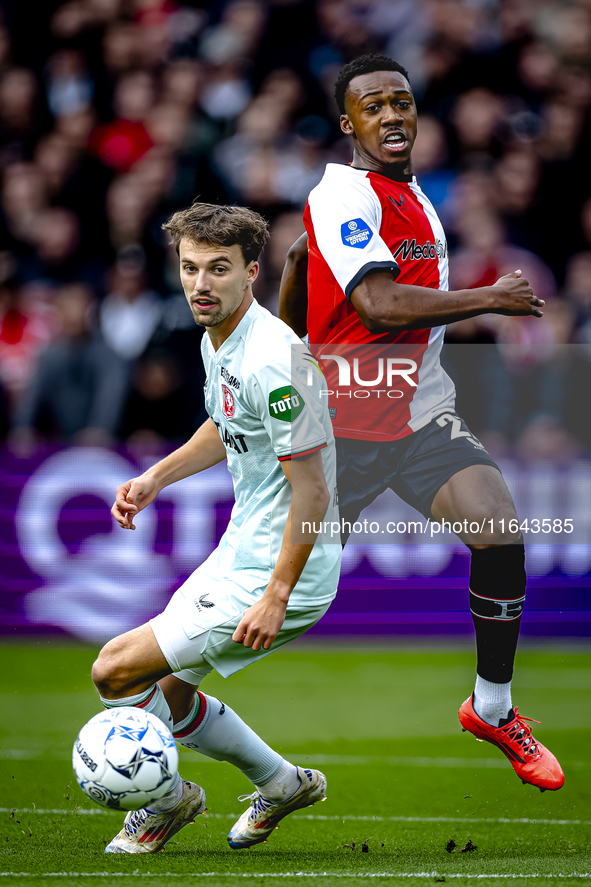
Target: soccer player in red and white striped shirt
[{"x": 375, "y": 313}]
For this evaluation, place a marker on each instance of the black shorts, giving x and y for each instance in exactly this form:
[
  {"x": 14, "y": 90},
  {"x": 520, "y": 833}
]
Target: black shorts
[{"x": 415, "y": 467}]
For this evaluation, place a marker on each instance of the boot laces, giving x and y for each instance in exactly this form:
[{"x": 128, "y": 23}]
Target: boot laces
[
  {"x": 136, "y": 819},
  {"x": 521, "y": 733},
  {"x": 258, "y": 803}
]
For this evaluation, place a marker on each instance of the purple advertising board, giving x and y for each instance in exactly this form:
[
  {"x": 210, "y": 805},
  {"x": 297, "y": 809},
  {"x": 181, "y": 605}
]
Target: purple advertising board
[{"x": 68, "y": 568}]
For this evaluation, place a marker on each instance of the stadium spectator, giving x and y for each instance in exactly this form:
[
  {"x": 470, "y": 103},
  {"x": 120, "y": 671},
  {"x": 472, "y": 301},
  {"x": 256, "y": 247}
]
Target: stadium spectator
[
  {"x": 27, "y": 325},
  {"x": 484, "y": 256},
  {"x": 77, "y": 391},
  {"x": 159, "y": 408},
  {"x": 577, "y": 290},
  {"x": 431, "y": 163},
  {"x": 121, "y": 143},
  {"x": 285, "y": 230},
  {"x": 20, "y": 120},
  {"x": 130, "y": 312},
  {"x": 57, "y": 254},
  {"x": 23, "y": 196},
  {"x": 69, "y": 86}
]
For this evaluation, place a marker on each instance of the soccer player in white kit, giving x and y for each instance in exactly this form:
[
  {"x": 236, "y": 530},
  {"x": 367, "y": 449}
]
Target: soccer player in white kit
[{"x": 266, "y": 583}]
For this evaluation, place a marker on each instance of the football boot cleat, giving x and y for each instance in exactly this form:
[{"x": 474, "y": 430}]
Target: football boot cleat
[
  {"x": 145, "y": 831},
  {"x": 533, "y": 763},
  {"x": 258, "y": 821}
]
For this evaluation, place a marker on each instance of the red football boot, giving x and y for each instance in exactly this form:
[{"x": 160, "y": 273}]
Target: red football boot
[{"x": 531, "y": 761}]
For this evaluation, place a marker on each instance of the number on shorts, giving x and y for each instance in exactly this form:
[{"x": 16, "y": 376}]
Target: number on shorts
[{"x": 456, "y": 427}]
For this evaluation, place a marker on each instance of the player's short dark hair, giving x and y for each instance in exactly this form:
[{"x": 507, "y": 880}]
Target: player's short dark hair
[
  {"x": 365, "y": 64},
  {"x": 218, "y": 225}
]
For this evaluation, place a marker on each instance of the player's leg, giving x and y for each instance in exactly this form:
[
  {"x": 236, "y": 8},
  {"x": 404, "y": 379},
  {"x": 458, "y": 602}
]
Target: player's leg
[
  {"x": 214, "y": 729},
  {"x": 206, "y": 724},
  {"x": 127, "y": 670},
  {"x": 126, "y": 674},
  {"x": 446, "y": 474},
  {"x": 478, "y": 495},
  {"x": 364, "y": 471}
]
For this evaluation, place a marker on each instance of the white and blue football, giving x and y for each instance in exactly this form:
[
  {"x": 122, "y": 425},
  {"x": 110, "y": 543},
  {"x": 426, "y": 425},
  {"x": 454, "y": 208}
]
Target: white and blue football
[{"x": 123, "y": 758}]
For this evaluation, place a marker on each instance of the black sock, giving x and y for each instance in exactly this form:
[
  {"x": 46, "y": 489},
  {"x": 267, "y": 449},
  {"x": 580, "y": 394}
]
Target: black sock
[{"x": 497, "y": 593}]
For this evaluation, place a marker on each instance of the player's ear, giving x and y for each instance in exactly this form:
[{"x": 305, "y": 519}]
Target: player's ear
[
  {"x": 346, "y": 125},
  {"x": 252, "y": 271}
]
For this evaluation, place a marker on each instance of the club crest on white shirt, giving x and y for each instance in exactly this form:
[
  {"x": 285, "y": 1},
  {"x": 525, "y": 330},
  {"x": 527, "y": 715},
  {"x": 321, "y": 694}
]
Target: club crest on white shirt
[{"x": 228, "y": 405}]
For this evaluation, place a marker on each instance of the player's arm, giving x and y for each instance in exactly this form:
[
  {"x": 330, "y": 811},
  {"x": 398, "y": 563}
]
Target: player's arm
[
  {"x": 347, "y": 217},
  {"x": 261, "y": 623},
  {"x": 202, "y": 451},
  {"x": 382, "y": 304},
  {"x": 293, "y": 290}
]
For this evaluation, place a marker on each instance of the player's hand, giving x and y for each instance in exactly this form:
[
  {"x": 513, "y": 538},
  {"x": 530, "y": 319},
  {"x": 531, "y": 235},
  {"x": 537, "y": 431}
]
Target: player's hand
[
  {"x": 514, "y": 296},
  {"x": 131, "y": 497},
  {"x": 261, "y": 623}
]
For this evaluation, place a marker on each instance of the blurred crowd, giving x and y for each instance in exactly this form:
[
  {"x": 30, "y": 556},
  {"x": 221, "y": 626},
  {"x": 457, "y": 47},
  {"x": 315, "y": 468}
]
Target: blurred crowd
[{"x": 115, "y": 113}]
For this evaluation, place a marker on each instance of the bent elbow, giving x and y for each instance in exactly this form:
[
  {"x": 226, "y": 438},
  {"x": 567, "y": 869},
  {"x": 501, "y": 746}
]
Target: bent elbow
[
  {"x": 298, "y": 251},
  {"x": 323, "y": 499},
  {"x": 374, "y": 324},
  {"x": 318, "y": 498},
  {"x": 379, "y": 323}
]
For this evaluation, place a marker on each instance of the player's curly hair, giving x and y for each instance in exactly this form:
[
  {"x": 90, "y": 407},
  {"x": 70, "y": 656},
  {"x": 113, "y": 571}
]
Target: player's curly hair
[
  {"x": 220, "y": 225},
  {"x": 365, "y": 64}
]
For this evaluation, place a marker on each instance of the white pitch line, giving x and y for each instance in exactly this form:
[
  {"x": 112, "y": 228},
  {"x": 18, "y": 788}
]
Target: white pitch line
[
  {"x": 422, "y": 875},
  {"x": 347, "y": 760},
  {"x": 97, "y": 811},
  {"x": 84, "y": 811},
  {"x": 501, "y": 820}
]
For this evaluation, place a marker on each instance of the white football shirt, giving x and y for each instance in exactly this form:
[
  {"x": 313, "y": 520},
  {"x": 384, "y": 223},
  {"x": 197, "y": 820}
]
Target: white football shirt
[{"x": 263, "y": 392}]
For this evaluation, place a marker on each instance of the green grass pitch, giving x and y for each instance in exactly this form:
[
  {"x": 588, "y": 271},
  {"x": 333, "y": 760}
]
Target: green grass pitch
[{"x": 402, "y": 778}]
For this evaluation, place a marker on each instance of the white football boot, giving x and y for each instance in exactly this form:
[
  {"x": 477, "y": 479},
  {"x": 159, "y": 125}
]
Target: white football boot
[
  {"x": 258, "y": 821},
  {"x": 146, "y": 832}
]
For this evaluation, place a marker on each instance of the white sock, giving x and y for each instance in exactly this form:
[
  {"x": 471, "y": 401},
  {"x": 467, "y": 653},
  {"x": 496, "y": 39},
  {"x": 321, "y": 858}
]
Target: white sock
[
  {"x": 169, "y": 800},
  {"x": 152, "y": 700},
  {"x": 216, "y": 731},
  {"x": 283, "y": 785},
  {"x": 492, "y": 702}
]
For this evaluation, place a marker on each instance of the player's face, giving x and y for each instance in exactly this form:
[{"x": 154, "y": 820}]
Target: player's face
[
  {"x": 216, "y": 280},
  {"x": 382, "y": 118}
]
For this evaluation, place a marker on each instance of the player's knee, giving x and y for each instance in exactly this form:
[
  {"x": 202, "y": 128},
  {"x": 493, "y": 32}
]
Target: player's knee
[
  {"x": 493, "y": 528},
  {"x": 109, "y": 674},
  {"x": 501, "y": 533}
]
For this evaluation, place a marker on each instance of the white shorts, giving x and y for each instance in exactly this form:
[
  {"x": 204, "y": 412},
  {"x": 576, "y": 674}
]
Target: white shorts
[{"x": 209, "y": 610}]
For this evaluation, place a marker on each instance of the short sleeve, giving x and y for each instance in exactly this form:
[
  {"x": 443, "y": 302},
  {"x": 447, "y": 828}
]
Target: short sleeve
[
  {"x": 290, "y": 410},
  {"x": 346, "y": 216}
]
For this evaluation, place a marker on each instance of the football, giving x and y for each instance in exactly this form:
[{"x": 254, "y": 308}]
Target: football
[{"x": 125, "y": 757}]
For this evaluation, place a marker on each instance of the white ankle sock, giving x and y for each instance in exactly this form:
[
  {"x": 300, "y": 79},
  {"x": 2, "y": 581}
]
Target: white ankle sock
[
  {"x": 152, "y": 700},
  {"x": 492, "y": 702},
  {"x": 283, "y": 785},
  {"x": 169, "y": 800},
  {"x": 216, "y": 731}
]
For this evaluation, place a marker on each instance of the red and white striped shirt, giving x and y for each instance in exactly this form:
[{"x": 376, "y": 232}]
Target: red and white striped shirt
[{"x": 360, "y": 221}]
